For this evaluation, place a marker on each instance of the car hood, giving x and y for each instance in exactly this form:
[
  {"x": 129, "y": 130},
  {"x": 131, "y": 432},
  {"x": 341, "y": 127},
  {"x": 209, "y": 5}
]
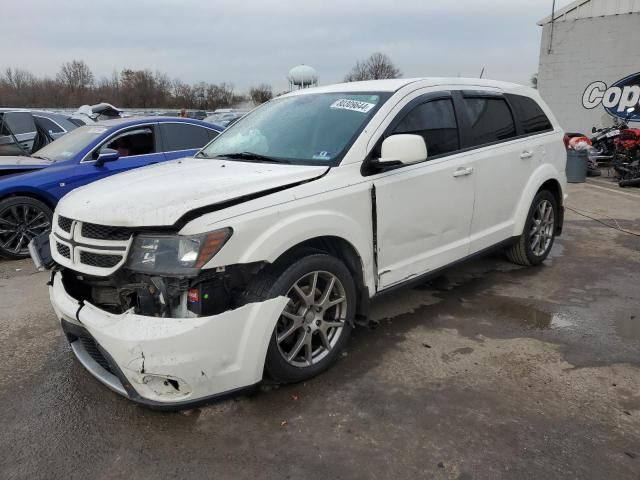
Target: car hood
[
  {"x": 22, "y": 162},
  {"x": 160, "y": 195}
]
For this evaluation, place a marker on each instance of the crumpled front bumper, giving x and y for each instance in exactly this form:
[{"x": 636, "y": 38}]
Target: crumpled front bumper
[{"x": 169, "y": 362}]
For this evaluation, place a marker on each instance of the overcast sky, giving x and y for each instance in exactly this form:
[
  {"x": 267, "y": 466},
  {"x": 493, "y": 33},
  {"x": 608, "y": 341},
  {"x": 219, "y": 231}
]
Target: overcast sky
[{"x": 246, "y": 42}]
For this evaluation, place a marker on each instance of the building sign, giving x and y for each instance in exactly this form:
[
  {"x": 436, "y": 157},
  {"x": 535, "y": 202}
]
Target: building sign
[{"x": 616, "y": 99}]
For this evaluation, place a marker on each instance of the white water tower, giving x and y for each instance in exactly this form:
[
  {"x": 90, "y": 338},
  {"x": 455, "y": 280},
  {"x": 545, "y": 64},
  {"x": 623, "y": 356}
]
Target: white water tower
[{"x": 302, "y": 76}]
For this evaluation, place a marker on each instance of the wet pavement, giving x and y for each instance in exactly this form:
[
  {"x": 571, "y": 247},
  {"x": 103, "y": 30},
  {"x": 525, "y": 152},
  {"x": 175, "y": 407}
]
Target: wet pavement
[{"x": 490, "y": 371}]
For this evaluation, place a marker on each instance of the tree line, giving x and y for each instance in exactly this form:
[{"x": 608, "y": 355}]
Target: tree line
[{"x": 75, "y": 85}]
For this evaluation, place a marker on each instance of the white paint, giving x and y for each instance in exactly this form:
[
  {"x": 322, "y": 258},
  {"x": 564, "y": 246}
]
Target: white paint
[
  {"x": 429, "y": 215},
  {"x": 207, "y": 355}
]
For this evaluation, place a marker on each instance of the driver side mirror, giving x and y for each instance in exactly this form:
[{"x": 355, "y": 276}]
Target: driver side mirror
[
  {"x": 106, "y": 155},
  {"x": 403, "y": 149}
]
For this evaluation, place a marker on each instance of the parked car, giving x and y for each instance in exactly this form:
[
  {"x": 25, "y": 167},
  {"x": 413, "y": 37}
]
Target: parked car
[
  {"x": 225, "y": 118},
  {"x": 185, "y": 281},
  {"x": 23, "y": 131},
  {"x": 30, "y": 187},
  {"x": 89, "y": 114}
]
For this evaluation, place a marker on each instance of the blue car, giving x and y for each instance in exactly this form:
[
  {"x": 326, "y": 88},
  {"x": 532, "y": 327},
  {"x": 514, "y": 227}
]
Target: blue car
[{"x": 30, "y": 187}]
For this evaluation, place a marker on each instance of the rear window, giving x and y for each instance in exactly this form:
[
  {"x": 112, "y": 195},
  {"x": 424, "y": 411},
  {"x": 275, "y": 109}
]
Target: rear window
[
  {"x": 531, "y": 116},
  {"x": 48, "y": 124},
  {"x": 489, "y": 119}
]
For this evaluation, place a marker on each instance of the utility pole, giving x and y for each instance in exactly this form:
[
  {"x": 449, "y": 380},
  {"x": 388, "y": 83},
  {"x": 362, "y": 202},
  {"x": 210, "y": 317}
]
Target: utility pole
[{"x": 553, "y": 14}]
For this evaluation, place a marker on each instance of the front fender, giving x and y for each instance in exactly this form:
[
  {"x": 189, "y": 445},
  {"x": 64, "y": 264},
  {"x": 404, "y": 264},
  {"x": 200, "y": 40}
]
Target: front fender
[
  {"x": 541, "y": 175},
  {"x": 264, "y": 237}
]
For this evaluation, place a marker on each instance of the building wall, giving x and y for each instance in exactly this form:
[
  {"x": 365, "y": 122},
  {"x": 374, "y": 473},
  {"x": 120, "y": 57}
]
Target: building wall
[{"x": 586, "y": 50}]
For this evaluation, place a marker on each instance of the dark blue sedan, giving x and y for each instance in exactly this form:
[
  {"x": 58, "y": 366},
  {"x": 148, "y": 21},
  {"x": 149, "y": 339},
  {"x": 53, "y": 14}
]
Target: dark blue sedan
[{"x": 30, "y": 187}]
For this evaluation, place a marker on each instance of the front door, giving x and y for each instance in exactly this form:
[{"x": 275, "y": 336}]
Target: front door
[
  {"x": 424, "y": 210},
  {"x": 137, "y": 146}
]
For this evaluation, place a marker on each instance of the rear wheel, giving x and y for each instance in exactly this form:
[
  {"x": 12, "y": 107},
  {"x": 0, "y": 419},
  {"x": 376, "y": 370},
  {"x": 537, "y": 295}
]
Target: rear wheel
[
  {"x": 535, "y": 243},
  {"x": 21, "y": 219},
  {"x": 316, "y": 323}
]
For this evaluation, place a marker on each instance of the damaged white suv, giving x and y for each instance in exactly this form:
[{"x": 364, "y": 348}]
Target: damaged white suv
[{"x": 185, "y": 280}]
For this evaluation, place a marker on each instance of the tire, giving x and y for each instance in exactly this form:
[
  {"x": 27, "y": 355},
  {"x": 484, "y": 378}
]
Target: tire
[
  {"x": 526, "y": 251},
  {"x": 302, "y": 324},
  {"x": 21, "y": 219}
]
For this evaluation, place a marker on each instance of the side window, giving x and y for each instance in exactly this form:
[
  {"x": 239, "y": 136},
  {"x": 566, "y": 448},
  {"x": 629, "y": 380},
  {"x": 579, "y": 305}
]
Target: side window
[
  {"x": 435, "y": 121},
  {"x": 183, "y": 136},
  {"x": 47, "y": 124},
  {"x": 531, "y": 116},
  {"x": 20, "y": 122},
  {"x": 489, "y": 120},
  {"x": 139, "y": 141}
]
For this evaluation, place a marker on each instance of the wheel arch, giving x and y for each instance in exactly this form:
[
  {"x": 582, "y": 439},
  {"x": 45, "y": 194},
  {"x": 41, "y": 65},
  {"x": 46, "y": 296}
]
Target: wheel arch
[
  {"x": 30, "y": 194},
  {"x": 344, "y": 251},
  {"x": 544, "y": 178}
]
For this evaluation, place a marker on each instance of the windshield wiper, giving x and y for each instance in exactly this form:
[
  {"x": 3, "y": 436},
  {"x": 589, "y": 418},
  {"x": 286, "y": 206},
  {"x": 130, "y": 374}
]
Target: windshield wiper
[{"x": 250, "y": 156}]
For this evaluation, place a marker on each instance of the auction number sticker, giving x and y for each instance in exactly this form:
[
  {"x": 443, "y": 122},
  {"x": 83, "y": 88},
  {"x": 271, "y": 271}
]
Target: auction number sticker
[{"x": 353, "y": 105}]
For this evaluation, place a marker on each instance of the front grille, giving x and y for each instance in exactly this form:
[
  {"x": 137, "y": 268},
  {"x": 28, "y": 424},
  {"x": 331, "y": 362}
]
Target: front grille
[
  {"x": 92, "y": 349},
  {"x": 103, "y": 232},
  {"x": 98, "y": 260},
  {"x": 63, "y": 250},
  {"x": 65, "y": 223}
]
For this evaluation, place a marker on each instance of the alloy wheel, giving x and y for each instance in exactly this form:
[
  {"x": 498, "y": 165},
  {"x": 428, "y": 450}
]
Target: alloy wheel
[
  {"x": 19, "y": 224},
  {"x": 313, "y": 320},
  {"x": 542, "y": 229}
]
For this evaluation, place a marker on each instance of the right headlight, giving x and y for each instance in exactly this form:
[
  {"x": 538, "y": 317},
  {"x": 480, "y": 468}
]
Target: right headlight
[{"x": 175, "y": 254}]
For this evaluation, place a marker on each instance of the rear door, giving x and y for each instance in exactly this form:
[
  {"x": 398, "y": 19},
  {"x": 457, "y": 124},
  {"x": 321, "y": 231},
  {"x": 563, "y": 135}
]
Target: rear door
[
  {"x": 424, "y": 210},
  {"x": 503, "y": 163},
  {"x": 184, "y": 139}
]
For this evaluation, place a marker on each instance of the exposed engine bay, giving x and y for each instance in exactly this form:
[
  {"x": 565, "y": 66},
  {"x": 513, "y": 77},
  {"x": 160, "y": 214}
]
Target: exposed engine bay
[{"x": 210, "y": 293}]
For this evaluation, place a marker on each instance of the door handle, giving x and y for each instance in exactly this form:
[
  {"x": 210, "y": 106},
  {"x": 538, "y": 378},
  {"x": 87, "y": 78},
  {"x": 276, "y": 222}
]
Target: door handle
[
  {"x": 462, "y": 172},
  {"x": 526, "y": 155}
]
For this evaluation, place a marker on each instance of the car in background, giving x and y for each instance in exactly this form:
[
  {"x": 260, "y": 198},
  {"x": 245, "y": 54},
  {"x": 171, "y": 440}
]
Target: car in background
[
  {"x": 30, "y": 187},
  {"x": 23, "y": 131},
  {"x": 225, "y": 117},
  {"x": 89, "y": 114}
]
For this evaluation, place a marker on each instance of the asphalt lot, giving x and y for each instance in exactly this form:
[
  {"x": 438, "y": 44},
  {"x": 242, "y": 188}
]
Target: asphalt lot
[{"x": 491, "y": 371}]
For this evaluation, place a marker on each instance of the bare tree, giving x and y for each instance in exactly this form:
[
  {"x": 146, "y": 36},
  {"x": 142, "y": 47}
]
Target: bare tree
[
  {"x": 75, "y": 76},
  {"x": 260, "y": 94},
  {"x": 376, "y": 67}
]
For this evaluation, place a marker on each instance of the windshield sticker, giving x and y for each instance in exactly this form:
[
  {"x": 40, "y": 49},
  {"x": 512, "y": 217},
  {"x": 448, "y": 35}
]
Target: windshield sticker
[
  {"x": 353, "y": 105},
  {"x": 324, "y": 155}
]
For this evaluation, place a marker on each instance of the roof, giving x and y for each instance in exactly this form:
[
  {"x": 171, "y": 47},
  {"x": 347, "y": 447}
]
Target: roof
[
  {"x": 393, "y": 85},
  {"x": 581, "y": 9},
  {"x": 138, "y": 120}
]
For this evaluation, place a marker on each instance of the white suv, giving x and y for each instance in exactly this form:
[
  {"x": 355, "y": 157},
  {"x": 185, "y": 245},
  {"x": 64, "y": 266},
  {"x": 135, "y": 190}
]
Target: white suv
[{"x": 185, "y": 280}]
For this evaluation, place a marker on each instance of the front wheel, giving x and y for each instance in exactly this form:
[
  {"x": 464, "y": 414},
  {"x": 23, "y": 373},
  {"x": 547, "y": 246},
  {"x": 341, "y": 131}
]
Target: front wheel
[
  {"x": 21, "y": 219},
  {"x": 316, "y": 323},
  {"x": 535, "y": 243}
]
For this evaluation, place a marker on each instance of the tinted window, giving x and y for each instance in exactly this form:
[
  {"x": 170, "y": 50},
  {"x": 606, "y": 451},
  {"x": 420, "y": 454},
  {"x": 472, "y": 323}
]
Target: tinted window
[
  {"x": 20, "y": 122},
  {"x": 182, "y": 136},
  {"x": 530, "y": 114},
  {"x": 489, "y": 119},
  {"x": 49, "y": 125},
  {"x": 434, "y": 121}
]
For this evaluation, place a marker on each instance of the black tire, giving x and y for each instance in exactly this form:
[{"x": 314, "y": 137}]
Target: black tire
[
  {"x": 521, "y": 252},
  {"x": 278, "y": 280},
  {"x": 21, "y": 218}
]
